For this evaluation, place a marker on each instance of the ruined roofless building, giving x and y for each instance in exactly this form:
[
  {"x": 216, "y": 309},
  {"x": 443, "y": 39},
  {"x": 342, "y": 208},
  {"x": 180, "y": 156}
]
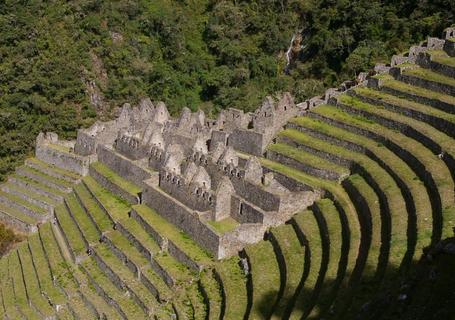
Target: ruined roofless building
[{"x": 202, "y": 175}]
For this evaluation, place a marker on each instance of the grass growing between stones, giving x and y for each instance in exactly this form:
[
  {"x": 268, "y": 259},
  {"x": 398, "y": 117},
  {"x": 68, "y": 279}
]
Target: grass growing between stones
[
  {"x": 17, "y": 214},
  {"x": 24, "y": 203},
  {"x": 116, "y": 179},
  {"x": 44, "y": 176},
  {"x": 440, "y": 56},
  {"x": 83, "y": 221},
  {"x": 38, "y": 185},
  {"x": 70, "y": 230},
  {"x": 57, "y": 170}
]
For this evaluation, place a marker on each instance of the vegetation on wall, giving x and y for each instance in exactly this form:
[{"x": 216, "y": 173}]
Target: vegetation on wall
[
  {"x": 7, "y": 239},
  {"x": 198, "y": 53}
]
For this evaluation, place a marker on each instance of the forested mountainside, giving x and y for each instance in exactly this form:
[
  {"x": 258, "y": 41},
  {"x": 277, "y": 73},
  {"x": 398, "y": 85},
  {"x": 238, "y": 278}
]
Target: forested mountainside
[{"x": 64, "y": 63}]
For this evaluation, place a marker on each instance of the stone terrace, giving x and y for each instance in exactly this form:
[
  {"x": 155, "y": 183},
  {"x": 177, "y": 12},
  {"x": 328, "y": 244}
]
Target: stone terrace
[{"x": 315, "y": 208}]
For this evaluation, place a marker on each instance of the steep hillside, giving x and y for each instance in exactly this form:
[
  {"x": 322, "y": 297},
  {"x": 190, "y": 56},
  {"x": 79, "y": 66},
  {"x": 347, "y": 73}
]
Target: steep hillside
[
  {"x": 65, "y": 62},
  {"x": 382, "y": 155}
]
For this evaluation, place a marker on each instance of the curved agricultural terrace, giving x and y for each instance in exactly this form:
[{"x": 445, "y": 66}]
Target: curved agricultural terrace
[{"x": 380, "y": 154}]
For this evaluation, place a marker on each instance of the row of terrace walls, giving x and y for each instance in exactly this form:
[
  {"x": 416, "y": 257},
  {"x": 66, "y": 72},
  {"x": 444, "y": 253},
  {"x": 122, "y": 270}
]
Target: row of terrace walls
[
  {"x": 123, "y": 166},
  {"x": 182, "y": 217}
]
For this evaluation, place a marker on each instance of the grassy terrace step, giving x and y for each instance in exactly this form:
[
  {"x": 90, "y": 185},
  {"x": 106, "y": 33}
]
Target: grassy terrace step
[
  {"x": 437, "y": 175},
  {"x": 431, "y": 77},
  {"x": 175, "y": 235},
  {"x": 49, "y": 290},
  {"x": 212, "y": 294},
  {"x": 133, "y": 228},
  {"x": 339, "y": 195},
  {"x": 310, "y": 164},
  {"x": 413, "y": 190},
  {"x": 53, "y": 170},
  {"x": 307, "y": 223},
  {"x": 24, "y": 205},
  {"x": 126, "y": 186},
  {"x": 20, "y": 293},
  {"x": 44, "y": 178},
  {"x": 37, "y": 187},
  {"x": 86, "y": 225},
  {"x": 117, "y": 207},
  {"x": 96, "y": 214},
  {"x": 233, "y": 286},
  {"x": 126, "y": 304},
  {"x": 32, "y": 283},
  {"x": 70, "y": 230},
  {"x": 128, "y": 278},
  {"x": 333, "y": 275},
  {"x": 394, "y": 202},
  {"x": 440, "y": 56},
  {"x": 439, "y": 141},
  {"x": 439, "y": 119},
  {"x": 265, "y": 279},
  {"x": 293, "y": 253},
  {"x": 26, "y": 194},
  {"x": 17, "y": 214},
  {"x": 435, "y": 99},
  {"x": 6, "y": 286}
]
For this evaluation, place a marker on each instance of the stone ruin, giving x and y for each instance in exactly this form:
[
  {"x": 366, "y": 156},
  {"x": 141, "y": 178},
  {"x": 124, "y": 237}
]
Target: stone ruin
[{"x": 194, "y": 171}]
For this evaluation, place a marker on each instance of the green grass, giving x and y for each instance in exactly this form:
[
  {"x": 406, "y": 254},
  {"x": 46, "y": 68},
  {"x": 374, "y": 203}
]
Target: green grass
[
  {"x": 234, "y": 285},
  {"x": 59, "y": 147},
  {"x": 24, "y": 203},
  {"x": 294, "y": 257},
  {"x": 334, "y": 227},
  {"x": 394, "y": 198},
  {"x": 394, "y": 100},
  {"x": 440, "y": 56},
  {"x": 85, "y": 224},
  {"x": 265, "y": 275},
  {"x": 19, "y": 215},
  {"x": 439, "y": 171},
  {"x": 99, "y": 216},
  {"x": 132, "y": 310},
  {"x": 212, "y": 289},
  {"x": 224, "y": 226},
  {"x": 127, "y": 276},
  {"x": 60, "y": 171},
  {"x": 178, "y": 237},
  {"x": 7, "y": 290},
  {"x": 307, "y": 222},
  {"x": 141, "y": 235},
  {"x": 43, "y": 271},
  {"x": 70, "y": 230},
  {"x": 116, "y": 206},
  {"x": 39, "y": 185},
  {"x": 33, "y": 195},
  {"x": 124, "y": 184},
  {"x": 390, "y": 82},
  {"x": 31, "y": 280},
  {"x": 124, "y": 245},
  {"x": 53, "y": 180},
  {"x": 308, "y": 158},
  {"x": 429, "y": 75},
  {"x": 20, "y": 294}
]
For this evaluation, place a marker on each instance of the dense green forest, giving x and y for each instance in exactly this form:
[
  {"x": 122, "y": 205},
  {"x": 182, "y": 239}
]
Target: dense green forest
[{"x": 56, "y": 55}]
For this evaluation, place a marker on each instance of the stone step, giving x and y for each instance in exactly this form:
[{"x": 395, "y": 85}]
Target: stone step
[
  {"x": 42, "y": 178},
  {"x": 290, "y": 252},
  {"x": 232, "y": 280},
  {"x": 26, "y": 207},
  {"x": 38, "y": 188},
  {"x": 425, "y": 165},
  {"x": 17, "y": 219},
  {"x": 442, "y": 121},
  {"x": 306, "y": 162},
  {"x": 7, "y": 290},
  {"x": 53, "y": 171},
  {"x": 114, "y": 183},
  {"x": 438, "y": 61},
  {"x": 30, "y": 279},
  {"x": 449, "y": 47},
  {"x": 86, "y": 226},
  {"x": 30, "y": 196},
  {"x": 427, "y": 79},
  {"x": 437, "y": 100},
  {"x": 121, "y": 301},
  {"x": 124, "y": 279},
  {"x": 211, "y": 292},
  {"x": 71, "y": 233}
]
